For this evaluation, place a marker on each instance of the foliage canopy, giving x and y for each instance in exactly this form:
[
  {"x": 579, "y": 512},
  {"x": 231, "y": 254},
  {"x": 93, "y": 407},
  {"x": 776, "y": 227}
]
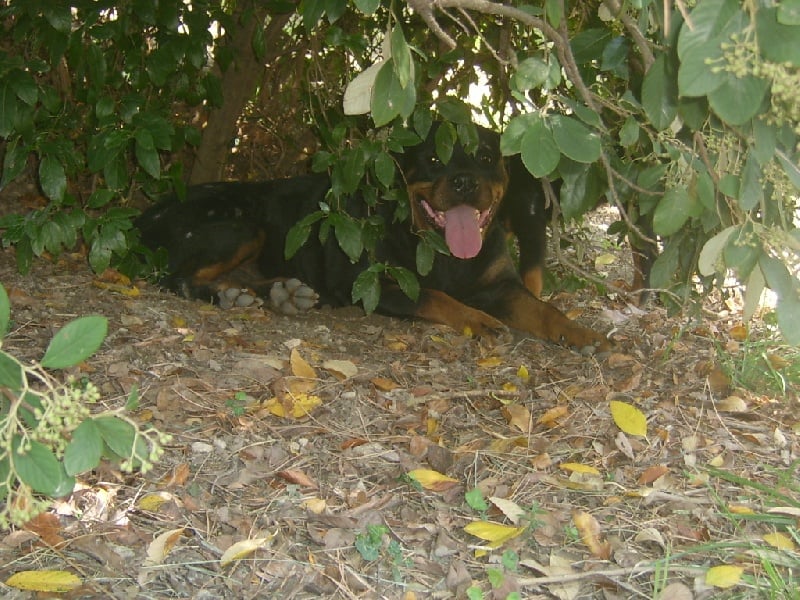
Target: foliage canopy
[{"x": 685, "y": 114}]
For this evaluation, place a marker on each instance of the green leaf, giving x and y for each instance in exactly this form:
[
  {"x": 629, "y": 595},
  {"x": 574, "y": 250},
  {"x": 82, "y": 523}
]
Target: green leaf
[
  {"x": 12, "y": 375},
  {"x": 710, "y": 19},
  {"x": 445, "y": 141},
  {"x": 407, "y": 281},
  {"x": 673, "y": 210},
  {"x": 738, "y": 99},
  {"x": 582, "y": 188},
  {"x": 660, "y": 94},
  {"x": 118, "y": 435},
  {"x": 424, "y": 257},
  {"x": 629, "y": 132},
  {"x": 52, "y": 178},
  {"x": 384, "y": 169},
  {"x": 751, "y": 191},
  {"x": 15, "y": 159},
  {"x": 454, "y": 110},
  {"x": 299, "y": 232},
  {"x": 575, "y": 140},
  {"x": 348, "y": 234},
  {"x": 788, "y": 310},
  {"x": 389, "y": 97},
  {"x": 368, "y": 7},
  {"x": 539, "y": 151},
  {"x": 8, "y": 109},
  {"x": 37, "y": 467},
  {"x": 5, "y": 312},
  {"x": 367, "y": 289},
  {"x": 777, "y": 38},
  {"x": 146, "y": 153},
  {"x": 531, "y": 73},
  {"x": 75, "y": 342},
  {"x": 789, "y": 12},
  {"x": 401, "y": 58},
  {"x": 84, "y": 449},
  {"x": 696, "y": 74}
]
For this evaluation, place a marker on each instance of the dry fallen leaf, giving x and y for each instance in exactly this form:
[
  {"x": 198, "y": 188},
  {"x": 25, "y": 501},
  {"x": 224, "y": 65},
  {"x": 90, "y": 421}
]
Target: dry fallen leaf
[
  {"x": 432, "y": 480},
  {"x": 550, "y": 418},
  {"x": 297, "y": 407},
  {"x": 512, "y": 511},
  {"x": 297, "y": 477},
  {"x": 44, "y": 581},
  {"x": 579, "y": 468},
  {"x": 589, "y": 529},
  {"x": 629, "y": 418},
  {"x": 780, "y": 540},
  {"x": 341, "y": 369},
  {"x": 300, "y": 368},
  {"x": 518, "y": 416},
  {"x": 651, "y": 474},
  {"x": 495, "y": 534},
  {"x": 724, "y": 576},
  {"x": 241, "y": 549}
]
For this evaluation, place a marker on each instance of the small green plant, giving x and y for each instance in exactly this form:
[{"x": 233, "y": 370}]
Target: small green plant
[
  {"x": 371, "y": 545},
  {"x": 47, "y": 434},
  {"x": 238, "y": 404},
  {"x": 764, "y": 366}
]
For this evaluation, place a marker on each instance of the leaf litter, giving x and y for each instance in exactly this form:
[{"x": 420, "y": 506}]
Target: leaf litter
[{"x": 593, "y": 467}]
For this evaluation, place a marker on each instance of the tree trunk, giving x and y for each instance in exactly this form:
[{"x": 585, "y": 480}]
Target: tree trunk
[{"x": 238, "y": 84}]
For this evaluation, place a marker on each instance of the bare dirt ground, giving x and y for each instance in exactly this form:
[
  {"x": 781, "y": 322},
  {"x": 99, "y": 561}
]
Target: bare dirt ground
[{"x": 586, "y": 507}]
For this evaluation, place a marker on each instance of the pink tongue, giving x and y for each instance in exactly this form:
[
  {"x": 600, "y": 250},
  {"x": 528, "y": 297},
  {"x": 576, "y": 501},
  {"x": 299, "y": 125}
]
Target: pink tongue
[{"x": 462, "y": 232}]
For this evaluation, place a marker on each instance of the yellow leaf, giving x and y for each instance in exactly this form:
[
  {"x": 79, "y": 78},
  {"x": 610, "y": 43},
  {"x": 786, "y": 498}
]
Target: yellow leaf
[
  {"x": 241, "y": 549},
  {"x": 552, "y": 415},
  {"x": 315, "y": 505},
  {"x": 490, "y": 362},
  {"x": 432, "y": 480},
  {"x": 629, "y": 418},
  {"x": 152, "y": 502},
  {"x": 780, "y": 540},
  {"x": 522, "y": 373},
  {"x": 495, "y": 534},
  {"x": 297, "y": 407},
  {"x": 300, "y": 368},
  {"x": 579, "y": 468},
  {"x": 739, "y": 509},
  {"x": 724, "y": 576},
  {"x": 44, "y": 581}
]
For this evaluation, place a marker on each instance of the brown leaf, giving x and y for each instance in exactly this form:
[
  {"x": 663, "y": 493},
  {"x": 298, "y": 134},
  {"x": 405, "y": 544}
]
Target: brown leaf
[
  {"x": 300, "y": 368},
  {"x": 553, "y": 415},
  {"x": 177, "y": 476},
  {"x": 48, "y": 527},
  {"x": 297, "y": 477},
  {"x": 652, "y": 473},
  {"x": 589, "y": 529},
  {"x": 518, "y": 416}
]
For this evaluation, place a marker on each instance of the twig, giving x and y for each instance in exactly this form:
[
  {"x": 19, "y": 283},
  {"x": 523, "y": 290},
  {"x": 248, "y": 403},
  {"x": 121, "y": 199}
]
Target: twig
[{"x": 608, "y": 573}]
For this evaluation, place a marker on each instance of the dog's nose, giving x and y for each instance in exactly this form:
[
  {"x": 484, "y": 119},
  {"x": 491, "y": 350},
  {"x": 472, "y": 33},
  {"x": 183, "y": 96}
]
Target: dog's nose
[{"x": 464, "y": 183}]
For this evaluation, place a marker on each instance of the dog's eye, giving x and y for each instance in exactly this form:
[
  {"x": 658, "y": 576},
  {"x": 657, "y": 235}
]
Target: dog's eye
[
  {"x": 434, "y": 161},
  {"x": 485, "y": 157}
]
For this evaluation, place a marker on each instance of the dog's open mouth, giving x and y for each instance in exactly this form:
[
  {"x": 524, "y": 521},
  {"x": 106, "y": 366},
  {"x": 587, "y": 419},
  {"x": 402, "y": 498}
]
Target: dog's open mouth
[{"x": 463, "y": 227}]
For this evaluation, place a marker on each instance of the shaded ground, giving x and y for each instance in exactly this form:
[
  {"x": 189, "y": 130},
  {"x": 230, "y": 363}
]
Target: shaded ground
[{"x": 413, "y": 396}]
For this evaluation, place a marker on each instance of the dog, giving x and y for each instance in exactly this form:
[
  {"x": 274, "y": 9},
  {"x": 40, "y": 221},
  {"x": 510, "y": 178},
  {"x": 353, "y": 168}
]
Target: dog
[{"x": 221, "y": 226}]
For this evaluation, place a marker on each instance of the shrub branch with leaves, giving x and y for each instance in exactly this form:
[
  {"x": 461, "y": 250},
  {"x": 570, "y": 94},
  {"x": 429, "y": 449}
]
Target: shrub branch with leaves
[{"x": 47, "y": 432}]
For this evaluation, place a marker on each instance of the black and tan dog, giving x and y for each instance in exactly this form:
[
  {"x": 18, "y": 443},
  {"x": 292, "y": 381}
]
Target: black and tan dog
[{"x": 220, "y": 226}]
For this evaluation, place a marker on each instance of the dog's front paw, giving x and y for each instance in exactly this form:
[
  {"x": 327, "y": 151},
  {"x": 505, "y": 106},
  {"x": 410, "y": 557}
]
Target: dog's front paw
[
  {"x": 292, "y": 296},
  {"x": 237, "y": 297}
]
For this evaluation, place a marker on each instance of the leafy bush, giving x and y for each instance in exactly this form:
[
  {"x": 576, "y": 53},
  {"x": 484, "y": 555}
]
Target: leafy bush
[
  {"x": 47, "y": 434},
  {"x": 80, "y": 94}
]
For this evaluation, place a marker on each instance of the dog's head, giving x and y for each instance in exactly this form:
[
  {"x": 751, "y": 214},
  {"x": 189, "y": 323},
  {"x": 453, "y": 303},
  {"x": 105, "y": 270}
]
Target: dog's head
[{"x": 458, "y": 198}]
